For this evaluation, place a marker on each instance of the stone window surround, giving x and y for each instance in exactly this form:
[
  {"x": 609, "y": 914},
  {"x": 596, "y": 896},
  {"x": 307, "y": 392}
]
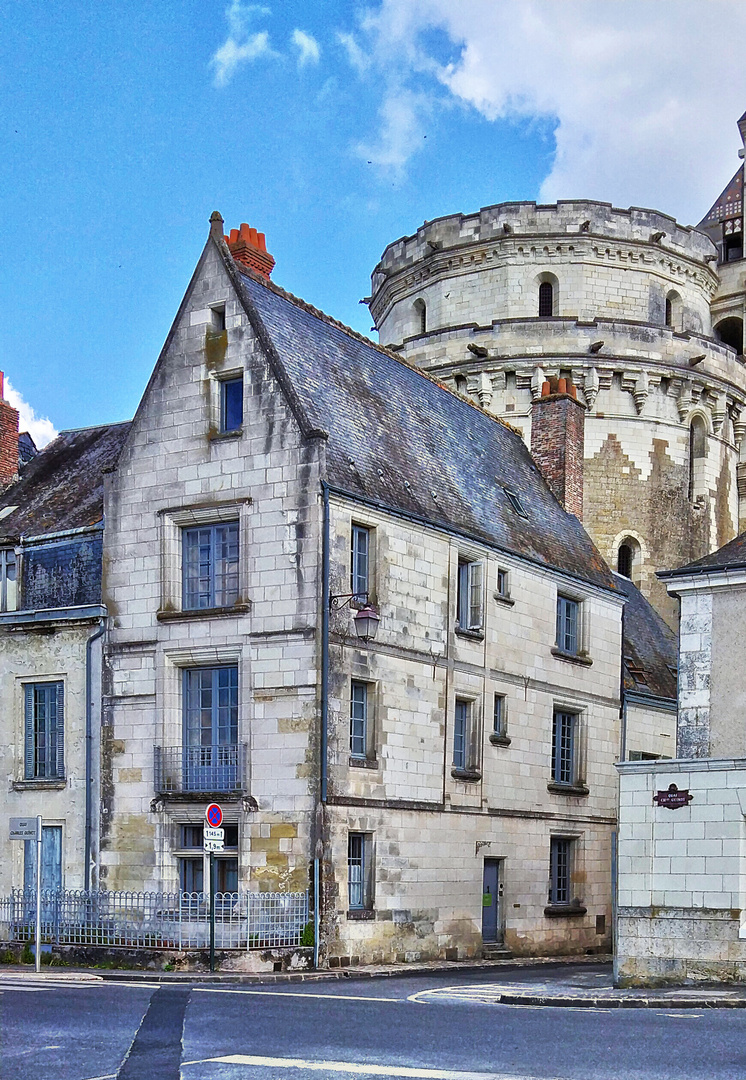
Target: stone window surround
[
  {"x": 582, "y": 656},
  {"x": 169, "y": 688},
  {"x": 215, "y": 404},
  {"x": 172, "y": 521},
  {"x": 20, "y": 783},
  {"x": 500, "y": 738},
  {"x": 579, "y": 787},
  {"x": 466, "y": 555},
  {"x": 576, "y": 905},
  {"x": 472, "y": 773}
]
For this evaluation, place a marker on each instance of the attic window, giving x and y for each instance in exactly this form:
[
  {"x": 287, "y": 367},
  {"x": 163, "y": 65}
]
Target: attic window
[
  {"x": 515, "y": 502},
  {"x": 636, "y": 671},
  {"x": 217, "y": 318}
]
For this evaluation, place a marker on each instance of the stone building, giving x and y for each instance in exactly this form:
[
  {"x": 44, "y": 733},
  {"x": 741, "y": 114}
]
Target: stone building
[
  {"x": 285, "y": 487},
  {"x": 51, "y": 626},
  {"x": 682, "y": 894},
  {"x": 643, "y": 315}
]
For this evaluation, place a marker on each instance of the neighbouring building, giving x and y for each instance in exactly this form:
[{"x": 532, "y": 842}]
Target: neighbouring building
[
  {"x": 51, "y": 626},
  {"x": 643, "y": 315},
  {"x": 682, "y": 828}
]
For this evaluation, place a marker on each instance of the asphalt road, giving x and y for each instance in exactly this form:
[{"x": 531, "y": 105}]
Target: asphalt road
[{"x": 389, "y": 1027}]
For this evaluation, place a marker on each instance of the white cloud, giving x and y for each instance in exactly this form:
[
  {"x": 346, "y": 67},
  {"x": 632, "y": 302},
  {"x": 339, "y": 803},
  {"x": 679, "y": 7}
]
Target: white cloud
[
  {"x": 643, "y": 95},
  {"x": 240, "y": 46},
  {"x": 355, "y": 54},
  {"x": 309, "y": 51},
  {"x": 400, "y": 132},
  {"x": 41, "y": 429}
]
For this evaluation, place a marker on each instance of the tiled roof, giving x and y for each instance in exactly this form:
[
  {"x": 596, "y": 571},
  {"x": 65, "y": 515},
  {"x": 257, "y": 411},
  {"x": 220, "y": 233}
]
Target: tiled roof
[
  {"x": 398, "y": 437},
  {"x": 62, "y": 487},
  {"x": 650, "y": 646},
  {"x": 728, "y": 205},
  {"x": 729, "y": 556}
]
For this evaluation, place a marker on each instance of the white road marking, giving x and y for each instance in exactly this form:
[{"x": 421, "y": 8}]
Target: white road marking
[
  {"x": 294, "y": 993},
  {"x": 35, "y": 988},
  {"x": 359, "y": 1069}
]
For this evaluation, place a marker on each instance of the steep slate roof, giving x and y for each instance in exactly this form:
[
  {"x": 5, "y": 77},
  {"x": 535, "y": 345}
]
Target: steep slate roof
[
  {"x": 650, "y": 646},
  {"x": 728, "y": 557},
  {"x": 63, "y": 486},
  {"x": 398, "y": 437}
]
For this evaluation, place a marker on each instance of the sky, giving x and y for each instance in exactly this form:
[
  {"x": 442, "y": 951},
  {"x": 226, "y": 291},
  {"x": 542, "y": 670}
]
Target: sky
[{"x": 334, "y": 128}]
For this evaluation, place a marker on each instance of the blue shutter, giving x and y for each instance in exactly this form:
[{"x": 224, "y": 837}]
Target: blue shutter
[
  {"x": 60, "y": 730},
  {"x": 29, "y": 732}
]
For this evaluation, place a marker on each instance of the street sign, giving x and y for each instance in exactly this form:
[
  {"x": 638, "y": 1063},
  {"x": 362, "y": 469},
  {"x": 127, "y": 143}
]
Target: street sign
[
  {"x": 23, "y": 828},
  {"x": 213, "y": 845},
  {"x": 213, "y": 834},
  {"x": 214, "y": 815}
]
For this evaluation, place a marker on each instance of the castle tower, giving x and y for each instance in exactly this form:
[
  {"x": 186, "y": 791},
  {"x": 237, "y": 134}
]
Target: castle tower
[{"x": 620, "y": 304}]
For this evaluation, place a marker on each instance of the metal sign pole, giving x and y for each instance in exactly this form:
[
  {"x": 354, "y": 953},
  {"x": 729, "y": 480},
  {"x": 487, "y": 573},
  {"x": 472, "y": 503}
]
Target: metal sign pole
[
  {"x": 212, "y": 911},
  {"x": 38, "y": 893}
]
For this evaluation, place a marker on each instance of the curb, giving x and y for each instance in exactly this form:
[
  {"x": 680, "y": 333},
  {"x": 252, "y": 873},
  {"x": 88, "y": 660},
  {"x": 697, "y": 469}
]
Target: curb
[{"x": 561, "y": 1002}]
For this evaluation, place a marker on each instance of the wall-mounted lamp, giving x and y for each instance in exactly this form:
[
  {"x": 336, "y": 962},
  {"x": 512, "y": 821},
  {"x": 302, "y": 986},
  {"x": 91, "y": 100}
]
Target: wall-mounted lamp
[{"x": 366, "y": 619}]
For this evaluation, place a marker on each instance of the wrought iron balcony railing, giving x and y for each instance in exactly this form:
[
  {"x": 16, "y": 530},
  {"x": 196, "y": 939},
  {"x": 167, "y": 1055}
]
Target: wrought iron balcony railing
[{"x": 200, "y": 769}]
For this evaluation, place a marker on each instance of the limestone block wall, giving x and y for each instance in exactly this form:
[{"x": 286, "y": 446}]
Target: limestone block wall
[
  {"x": 681, "y": 899},
  {"x": 28, "y": 657},
  {"x": 177, "y": 470},
  {"x": 430, "y": 829}
]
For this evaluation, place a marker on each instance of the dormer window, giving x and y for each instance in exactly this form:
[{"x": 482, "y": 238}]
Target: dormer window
[
  {"x": 231, "y": 405},
  {"x": 8, "y": 582},
  {"x": 515, "y": 502}
]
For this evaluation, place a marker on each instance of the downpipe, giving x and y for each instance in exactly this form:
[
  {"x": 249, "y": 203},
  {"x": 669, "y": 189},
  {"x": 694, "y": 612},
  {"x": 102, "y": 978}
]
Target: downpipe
[
  {"x": 323, "y": 751},
  {"x": 89, "y": 750}
]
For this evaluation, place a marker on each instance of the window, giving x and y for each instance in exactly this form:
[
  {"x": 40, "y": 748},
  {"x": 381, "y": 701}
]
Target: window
[
  {"x": 461, "y": 734},
  {"x": 191, "y": 836},
  {"x": 730, "y": 332},
  {"x": 624, "y": 560},
  {"x": 568, "y": 620},
  {"x": 546, "y": 300},
  {"x": 191, "y": 875},
  {"x": 211, "y": 759},
  {"x": 460, "y": 384},
  {"x": 231, "y": 404},
  {"x": 697, "y": 457},
  {"x": 420, "y": 314},
  {"x": 44, "y": 723},
  {"x": 210, "y": 566},
  {"x": 360, "y": 563},
  {"x": 560, "y": 870},
  {"x": 226, "y": 875},
  {"x": 563, "y": 747},
  {"x": 499, "y": 725},
  {"x": 217, "y": 318},
  {"x": 358, "y": 719},
  {"x": 469, "y": 595},
  {"x": 359, "y": 871},
  {"x": 8, "y": 585},
  {"x": 732, "y": 240},
  {"x": 515, "y": 502},
  {"x": 503, "y": 583},
  {"x": 51, "y": 864}
]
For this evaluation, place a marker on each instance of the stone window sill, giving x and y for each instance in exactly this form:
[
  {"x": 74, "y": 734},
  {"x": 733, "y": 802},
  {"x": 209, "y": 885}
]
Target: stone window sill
[
  {"x": 217, "y": 436},
  {"x": 363, "y": 763},
  {"x": 576, "y": 790},
  {"x": 57, "y": 783},
  {"x": 503, "y": 598},
  {"x": 361, "y": 914},
  {"x": 572, "y": 658},
  {"x": 564, "y": 911},
  {"x": 473, "y": 635},
  {"x": 470, "y": 776},
  {"x": 202, "y": 613},
  {"x": 499, "y": 740}
]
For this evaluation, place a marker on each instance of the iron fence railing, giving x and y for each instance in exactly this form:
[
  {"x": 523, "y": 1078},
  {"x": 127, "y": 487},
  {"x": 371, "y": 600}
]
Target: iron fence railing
[
  {"x": 200, "y": 769},
  {"x": 243, "y": 920}
]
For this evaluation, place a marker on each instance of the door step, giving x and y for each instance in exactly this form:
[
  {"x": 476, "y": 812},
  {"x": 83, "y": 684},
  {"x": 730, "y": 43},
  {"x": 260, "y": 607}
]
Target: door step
[{"x": 496, "y": 952}]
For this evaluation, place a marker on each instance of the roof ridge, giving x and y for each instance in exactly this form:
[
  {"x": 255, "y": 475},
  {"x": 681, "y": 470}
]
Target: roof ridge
[
  {"x": 92, "y": 427},
  {"x": 357, "y": 336}
]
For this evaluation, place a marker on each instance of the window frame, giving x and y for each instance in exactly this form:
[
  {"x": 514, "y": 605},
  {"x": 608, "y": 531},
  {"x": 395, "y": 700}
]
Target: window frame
[
  {"x": 464, "y": 740},
  {"x": 361, "y": 563},
  {"x": 561, "y": 857},
  {"x": 567, "y": 759},
  {"x": 5, "y": 561},
  {"x": 362, "y": 739},
  {"x": 499, "y": 734},
  {"x": 223, "y": 385},
  {"x": 568, "y": 642},
  {"x": 215, "y": 590},
  {"x": 542, "y": 300},
  {"x": 361, "y": 883},
  {"x": 54, "y": 735},
  {"x": 470, "y": 596}
]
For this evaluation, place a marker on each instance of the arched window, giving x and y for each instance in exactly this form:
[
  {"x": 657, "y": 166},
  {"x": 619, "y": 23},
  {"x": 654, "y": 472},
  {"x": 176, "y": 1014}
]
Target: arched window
[
  {"x": 420, "y": 311},
  {"x": 460, "y": 383},
  {"x": 674, "y": 311},
  {"x": 697, "y": 456},
  {"x": 730, "y": 332},
  {"x": 546, "y": 300},
  {"x": 629, "y": 559}
]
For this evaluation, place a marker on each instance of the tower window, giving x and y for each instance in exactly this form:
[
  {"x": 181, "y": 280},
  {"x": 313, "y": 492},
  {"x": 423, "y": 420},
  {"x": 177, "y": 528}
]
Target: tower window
[
  {"x": 624, "y": 560},
  {"x": 546, "y": 300},
  {"x": 669, "y": 312},
  {"x": 697, "y": 455},
  {"x": 420, "y": 310},
  {"x": 730, "y": 332}
]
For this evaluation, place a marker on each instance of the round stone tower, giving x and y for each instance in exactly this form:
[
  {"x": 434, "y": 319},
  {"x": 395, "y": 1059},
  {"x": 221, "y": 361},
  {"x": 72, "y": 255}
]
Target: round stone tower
[{"x": 618, "y": 303}]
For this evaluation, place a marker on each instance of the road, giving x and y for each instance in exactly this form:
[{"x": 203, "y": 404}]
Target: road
[{"x": 427, "y": 1027}]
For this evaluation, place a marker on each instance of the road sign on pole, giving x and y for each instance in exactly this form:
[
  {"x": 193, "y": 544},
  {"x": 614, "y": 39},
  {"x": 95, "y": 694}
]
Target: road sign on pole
[
  {"x": 214, "y": 815},
  {"x": 39, "y": 835},
  {"x": 213, "y": 834},
  {"x": 212, "y": 845},
  {"x": 22, "y": 828}
]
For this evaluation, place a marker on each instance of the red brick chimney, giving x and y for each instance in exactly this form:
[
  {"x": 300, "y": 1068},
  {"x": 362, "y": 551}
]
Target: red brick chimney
[
  {"x": 247, "y": 246},
  {"x": 8, "y": 439},
  {"x": 557, "y": 436}
]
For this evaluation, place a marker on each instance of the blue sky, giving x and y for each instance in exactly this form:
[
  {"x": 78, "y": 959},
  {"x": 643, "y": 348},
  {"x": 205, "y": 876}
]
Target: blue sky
[{"x": 334, "y": 128}]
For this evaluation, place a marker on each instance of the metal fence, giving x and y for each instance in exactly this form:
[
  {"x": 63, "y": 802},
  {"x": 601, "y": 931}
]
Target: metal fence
[{"x": 243, "y": 920}]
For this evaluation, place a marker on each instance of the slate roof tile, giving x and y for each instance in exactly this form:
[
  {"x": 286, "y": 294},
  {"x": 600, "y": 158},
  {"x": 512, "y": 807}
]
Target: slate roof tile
[{"x": 650, "y": 646}]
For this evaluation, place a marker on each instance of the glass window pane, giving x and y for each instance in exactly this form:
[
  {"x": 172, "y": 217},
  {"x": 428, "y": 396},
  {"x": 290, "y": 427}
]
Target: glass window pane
[
  {"x": 231, "y": 404},
  {"x": 358, "y": 718},
  {"x": 359, "y": 579}
]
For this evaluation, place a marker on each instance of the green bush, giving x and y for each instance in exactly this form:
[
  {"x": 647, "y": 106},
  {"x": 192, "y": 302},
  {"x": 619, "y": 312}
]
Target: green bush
[{"x": 307, "y": 938}]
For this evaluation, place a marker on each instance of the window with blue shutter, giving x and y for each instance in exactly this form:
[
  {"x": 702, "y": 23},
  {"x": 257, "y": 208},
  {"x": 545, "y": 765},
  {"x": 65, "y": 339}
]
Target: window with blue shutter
[{"x": 44, "y": 717}]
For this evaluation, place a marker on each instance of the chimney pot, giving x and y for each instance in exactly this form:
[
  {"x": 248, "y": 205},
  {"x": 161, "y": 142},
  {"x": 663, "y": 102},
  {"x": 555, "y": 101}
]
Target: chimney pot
[
  {"x": 249, "y": 248},
  {"x": 562, "y": 386},
  {"x": 546, "y": 388}
]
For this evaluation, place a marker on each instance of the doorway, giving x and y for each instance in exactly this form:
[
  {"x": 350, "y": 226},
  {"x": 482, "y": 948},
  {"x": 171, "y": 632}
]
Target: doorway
[{"x": 492, "y": 890}]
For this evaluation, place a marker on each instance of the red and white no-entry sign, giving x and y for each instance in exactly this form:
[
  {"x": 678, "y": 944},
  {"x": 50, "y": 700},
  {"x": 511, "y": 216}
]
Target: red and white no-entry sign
[{"x": 214, "y": 815}]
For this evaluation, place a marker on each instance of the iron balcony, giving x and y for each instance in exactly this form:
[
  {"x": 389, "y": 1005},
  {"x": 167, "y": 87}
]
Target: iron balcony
[{"x": 200, "y": 770}]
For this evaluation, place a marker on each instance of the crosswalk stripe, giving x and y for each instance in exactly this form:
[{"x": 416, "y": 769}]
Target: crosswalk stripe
[{"x": 359, "y": 1068}]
